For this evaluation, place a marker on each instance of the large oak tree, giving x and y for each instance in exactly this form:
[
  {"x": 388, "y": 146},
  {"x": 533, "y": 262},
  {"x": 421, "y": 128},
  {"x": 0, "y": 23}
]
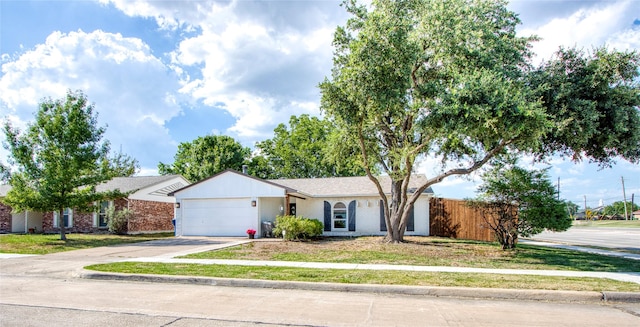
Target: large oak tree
[
  {"x": 61, "y": 158},
  {"x": 452, "y": 80}
]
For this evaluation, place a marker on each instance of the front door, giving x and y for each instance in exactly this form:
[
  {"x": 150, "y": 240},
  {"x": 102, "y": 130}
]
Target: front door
[{"x": 292, "y": 209}]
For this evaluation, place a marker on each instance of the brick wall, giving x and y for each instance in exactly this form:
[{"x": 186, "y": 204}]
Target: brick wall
[
  {"x": 150, "y": 216},
  {"x": 82, "y": 222},
  {"x": 5, "y": 218}
]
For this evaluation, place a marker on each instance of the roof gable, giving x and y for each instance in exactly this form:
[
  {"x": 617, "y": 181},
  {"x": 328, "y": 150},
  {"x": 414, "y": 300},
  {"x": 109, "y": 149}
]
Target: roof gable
[
  {"x": 230, "y": 184},
  {"x": 134, "y": 183}
]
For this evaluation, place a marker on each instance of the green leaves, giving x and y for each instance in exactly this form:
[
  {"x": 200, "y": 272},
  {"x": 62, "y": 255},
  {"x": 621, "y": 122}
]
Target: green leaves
[
  {"x": 309, "y": 148},
  {"x": 60, "y": 158},
  {"x": 206, "y": 156},
  {"x": 413, "y": 76},
  {"x": 416, "y": 78},
  {"x": 528, "y": 191},
  {"x": 594, "y": 100}
]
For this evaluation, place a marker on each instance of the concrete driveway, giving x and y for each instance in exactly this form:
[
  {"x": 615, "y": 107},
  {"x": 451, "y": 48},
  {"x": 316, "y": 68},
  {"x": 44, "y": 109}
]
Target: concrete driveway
[
  {"x": 613, "y": 238},
  {"x": 67, "y": 264}
]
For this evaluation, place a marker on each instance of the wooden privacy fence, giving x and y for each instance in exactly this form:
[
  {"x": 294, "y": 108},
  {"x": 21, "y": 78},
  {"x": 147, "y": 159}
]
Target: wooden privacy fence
[{"x": 453, "y": 218}]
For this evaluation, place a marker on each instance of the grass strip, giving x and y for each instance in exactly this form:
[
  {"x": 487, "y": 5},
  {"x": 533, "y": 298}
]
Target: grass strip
[
  {"x": 607, "y": 223},
  {"x": 51, "y": 243},
  {"x": 383, "y": 277}
]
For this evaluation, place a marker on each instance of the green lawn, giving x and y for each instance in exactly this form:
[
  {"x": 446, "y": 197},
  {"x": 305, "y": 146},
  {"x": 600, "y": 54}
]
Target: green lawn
[
  {"x": 425, "y": 251},
  {"x": 51, "y": 243},
  {"x": 372, "y": 276}
]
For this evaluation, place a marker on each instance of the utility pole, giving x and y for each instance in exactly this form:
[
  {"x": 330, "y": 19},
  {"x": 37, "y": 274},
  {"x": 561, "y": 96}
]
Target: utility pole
[
  {"x": 632, "y": 204},
  {"x": 624, "y": 196}
]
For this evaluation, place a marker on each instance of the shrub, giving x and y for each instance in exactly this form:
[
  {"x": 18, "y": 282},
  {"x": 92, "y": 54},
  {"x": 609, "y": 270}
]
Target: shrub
[
  {"x": 117, "y": 220},
  {"x": 296, "y": 228}
]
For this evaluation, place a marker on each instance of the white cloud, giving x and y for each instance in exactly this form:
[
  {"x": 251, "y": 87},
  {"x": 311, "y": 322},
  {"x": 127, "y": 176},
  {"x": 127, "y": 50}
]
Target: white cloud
[
  {"x": 133, "y": 91},
  {"x": 167, "y": 14},
  {"x": 589, "y": 24},
  {"x": 260, "y": 61}
]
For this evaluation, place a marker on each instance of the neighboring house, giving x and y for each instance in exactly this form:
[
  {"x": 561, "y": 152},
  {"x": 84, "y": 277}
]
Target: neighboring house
[
  {"x": 636, "y": 214},
  {"x": 146, "y": 197},
  {"x": 229, "y": 203},
  {"x": 18, "y": 222}
]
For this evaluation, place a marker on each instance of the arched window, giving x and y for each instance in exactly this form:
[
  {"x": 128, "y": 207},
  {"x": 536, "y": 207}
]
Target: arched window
[{"x": 339, "y": 216}]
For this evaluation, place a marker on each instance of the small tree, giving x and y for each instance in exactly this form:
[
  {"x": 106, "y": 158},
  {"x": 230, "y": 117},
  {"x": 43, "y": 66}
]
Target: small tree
[
  {"x": 517, "y": 202},
  {"x": 117, "y": 220},
  {"x": 60, "y": 159}
]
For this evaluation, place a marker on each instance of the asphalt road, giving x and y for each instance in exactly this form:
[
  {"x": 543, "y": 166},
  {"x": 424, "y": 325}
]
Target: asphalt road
[
  {"x": 41, "y": 301},
  {"x": 43, "y": 291},
  {"x": 614, "y": 238}
]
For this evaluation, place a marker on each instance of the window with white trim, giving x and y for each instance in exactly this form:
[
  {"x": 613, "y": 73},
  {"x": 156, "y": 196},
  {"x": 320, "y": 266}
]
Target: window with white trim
[
  {"x": 100, "y": 219},
  {"x": 67, "y": 218},
  {"x": 339, "y": 216}
]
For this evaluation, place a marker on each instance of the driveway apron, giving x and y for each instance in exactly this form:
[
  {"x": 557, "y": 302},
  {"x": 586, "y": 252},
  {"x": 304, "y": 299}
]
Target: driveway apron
[{"x": 65, "y": 264}]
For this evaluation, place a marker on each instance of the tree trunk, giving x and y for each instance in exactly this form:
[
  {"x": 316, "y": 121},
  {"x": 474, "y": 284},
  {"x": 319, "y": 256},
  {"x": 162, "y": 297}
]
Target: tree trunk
[
  {"x": 398, "y": 213},
  {"x": 63, "y": 232}
]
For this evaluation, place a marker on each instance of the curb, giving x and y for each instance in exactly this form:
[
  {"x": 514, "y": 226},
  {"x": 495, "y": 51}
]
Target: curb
[
  {"x": 435, "y": 291},
  {"x": 621, "y": 297}
]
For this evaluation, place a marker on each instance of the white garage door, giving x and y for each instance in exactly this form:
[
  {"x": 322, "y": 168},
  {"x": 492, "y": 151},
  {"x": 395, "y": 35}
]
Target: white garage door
[{"x": 218, "y": 217}]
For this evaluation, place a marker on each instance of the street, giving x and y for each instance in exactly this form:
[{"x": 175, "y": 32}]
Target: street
[
  {"x": 44, "y": 291},
  {"x": 41, "y": 301},
  {"x": 615, "y": 238}
]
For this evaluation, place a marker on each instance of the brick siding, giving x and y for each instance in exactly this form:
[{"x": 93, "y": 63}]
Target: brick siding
[
  {"x": 5, "y": 218},
  {"x": 148, "y": 216}
]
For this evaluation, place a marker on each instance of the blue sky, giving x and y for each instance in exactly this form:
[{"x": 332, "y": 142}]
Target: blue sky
[{"x": 165, "y": 72}]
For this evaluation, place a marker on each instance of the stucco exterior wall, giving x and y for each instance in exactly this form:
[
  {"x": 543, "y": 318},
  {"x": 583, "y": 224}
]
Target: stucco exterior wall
[
  {"x": 367, "y": 215},
  {"x": 22, "y": 222},
  {"x": 270, "y": 208}
]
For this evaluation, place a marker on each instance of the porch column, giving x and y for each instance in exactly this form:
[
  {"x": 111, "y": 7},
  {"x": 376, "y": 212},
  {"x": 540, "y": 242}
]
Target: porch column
[{"x": 286, "y": 205}]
